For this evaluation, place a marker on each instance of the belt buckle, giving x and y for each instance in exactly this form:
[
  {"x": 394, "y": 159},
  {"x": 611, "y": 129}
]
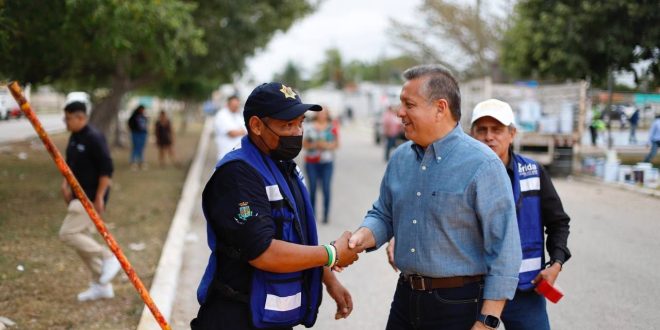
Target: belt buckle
[{"x": 420, "y": 278}]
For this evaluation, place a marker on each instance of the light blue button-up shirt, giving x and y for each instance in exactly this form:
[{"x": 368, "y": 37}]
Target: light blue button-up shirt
[
  {"x": 451, "y": 210},
  {"x": 654, "y": 133}
]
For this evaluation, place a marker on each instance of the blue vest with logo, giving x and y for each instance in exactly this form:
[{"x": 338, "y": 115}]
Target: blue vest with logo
[
  {"x": 526, "y": 190},
  {"x": 275, "y": 299}
]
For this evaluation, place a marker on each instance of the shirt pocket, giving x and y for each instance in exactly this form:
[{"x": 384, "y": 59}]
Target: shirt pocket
[{"x": 449, "y": 208}]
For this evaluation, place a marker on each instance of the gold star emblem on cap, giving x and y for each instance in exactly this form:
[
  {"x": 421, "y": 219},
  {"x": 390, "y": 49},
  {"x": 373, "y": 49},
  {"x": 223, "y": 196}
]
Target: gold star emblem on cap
[{"x": 288, "y": 92}]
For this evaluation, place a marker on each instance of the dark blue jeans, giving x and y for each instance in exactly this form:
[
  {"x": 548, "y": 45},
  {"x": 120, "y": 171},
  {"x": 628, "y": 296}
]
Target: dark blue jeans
[
  {"x": 389, "y": 145},
  {"x": 447, "y": 309},
  {"x": 654, "y": 150},
  {"x": 526, "y": 312},
  {"x": 139, "y": 139},
  {"x": 323, "y": 172}
]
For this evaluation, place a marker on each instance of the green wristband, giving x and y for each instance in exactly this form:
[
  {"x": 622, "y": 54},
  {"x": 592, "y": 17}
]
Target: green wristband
[{"x": 330, "y": 256}]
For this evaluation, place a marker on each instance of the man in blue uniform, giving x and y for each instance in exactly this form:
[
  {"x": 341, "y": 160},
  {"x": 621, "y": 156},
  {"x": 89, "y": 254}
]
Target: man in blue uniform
[
  {"x": 537, "y": 206},
  {"x": 266, "y": 267}
]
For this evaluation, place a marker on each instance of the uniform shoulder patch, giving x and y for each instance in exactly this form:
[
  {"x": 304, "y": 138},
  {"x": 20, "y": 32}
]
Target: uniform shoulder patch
[{"x": 244, "y": 212}]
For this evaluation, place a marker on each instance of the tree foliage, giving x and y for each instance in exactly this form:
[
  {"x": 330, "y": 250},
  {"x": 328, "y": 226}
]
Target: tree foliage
[
  {"x": 382, "y": 70},
  {"x": 234, "y": 30},
  {"x": 331, "y": 69},
  {"x": 454, "y": 34},
  {"x": 291, "y": 76},
  {"x": 335, "y": 70},
  {"x": 562, "y": 39},
  {"x": 178, "y": 48}
]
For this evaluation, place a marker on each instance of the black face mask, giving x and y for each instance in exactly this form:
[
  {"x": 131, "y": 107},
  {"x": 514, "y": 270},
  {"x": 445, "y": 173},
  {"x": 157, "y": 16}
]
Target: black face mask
[{"x": 287, "y": 148}]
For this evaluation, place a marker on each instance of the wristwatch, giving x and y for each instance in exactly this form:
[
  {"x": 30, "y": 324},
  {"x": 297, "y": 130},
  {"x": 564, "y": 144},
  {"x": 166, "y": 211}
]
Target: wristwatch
[{"x": 490, "y": 321}]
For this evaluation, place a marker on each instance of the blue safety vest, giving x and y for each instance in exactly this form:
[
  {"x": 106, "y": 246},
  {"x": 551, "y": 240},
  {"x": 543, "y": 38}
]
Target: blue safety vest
[
  {"x": 276, "y": 299},
  {"x": 526, "y": 191}
]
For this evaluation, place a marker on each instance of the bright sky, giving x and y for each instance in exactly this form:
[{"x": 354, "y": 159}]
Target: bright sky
[{"x": 357, "y": 27}]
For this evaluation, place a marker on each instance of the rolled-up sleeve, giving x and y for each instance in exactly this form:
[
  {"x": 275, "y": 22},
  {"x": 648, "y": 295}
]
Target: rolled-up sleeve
[
  {"x": 379, "y": 218},
  {"x": 497, "y": 215}
]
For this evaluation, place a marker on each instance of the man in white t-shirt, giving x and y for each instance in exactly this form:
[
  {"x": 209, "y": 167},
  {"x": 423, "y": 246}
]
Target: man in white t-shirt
[{"x": 229, "y": 126}]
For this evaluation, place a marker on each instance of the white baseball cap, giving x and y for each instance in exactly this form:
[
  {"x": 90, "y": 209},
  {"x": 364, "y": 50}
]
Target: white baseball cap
[{"x": 494, "y": 108}]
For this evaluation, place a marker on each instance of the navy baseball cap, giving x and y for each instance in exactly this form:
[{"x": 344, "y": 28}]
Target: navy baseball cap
[{"x": 275, "y": 100}]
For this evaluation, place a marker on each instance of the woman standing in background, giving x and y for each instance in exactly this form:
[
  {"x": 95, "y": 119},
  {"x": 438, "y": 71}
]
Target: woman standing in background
[
  {"x": 164, "y": 139},
  {"x": 138, "y": 124},
  {"x": 321, "y": 140}
]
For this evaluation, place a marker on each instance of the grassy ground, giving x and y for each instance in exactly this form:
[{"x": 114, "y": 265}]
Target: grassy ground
[{"x": 43, "y": 294}]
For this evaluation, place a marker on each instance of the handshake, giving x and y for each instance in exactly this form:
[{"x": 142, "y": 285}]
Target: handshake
[{"x": 344, "y": 251}]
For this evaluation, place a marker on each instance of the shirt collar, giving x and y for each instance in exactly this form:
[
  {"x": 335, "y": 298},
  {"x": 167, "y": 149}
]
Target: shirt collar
[
  {"x": 440, "y": 147},
  {"x": 509, "y": 167},
  {"x": 286, "y": 166},
  {"x": 82, "y": 131}
]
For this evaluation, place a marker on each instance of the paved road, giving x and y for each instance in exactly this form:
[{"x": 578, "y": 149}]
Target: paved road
[
  {"x": 21, "y": 129},
  {"x": 609, "y": 283}
]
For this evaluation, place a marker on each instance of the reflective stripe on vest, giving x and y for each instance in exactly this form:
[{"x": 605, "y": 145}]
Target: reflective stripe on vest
[
  {"x": 276, "y": 299},
  {"x": 526, "y": 189}
]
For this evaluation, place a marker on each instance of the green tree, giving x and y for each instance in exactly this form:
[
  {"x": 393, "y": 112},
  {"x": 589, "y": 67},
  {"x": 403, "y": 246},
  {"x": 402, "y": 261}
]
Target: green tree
[
  {"x": 178, "y": 48},
  {"x": 382, "y": 70},
  {"x": 291, "y": 76},
  {"x": 563, "y": 39},
  {"x": 454, "y": 34},
  {"x": 118, "y": 46},
  {"x": 234, "y": 30},
  {"x": 331, "y": 69}
]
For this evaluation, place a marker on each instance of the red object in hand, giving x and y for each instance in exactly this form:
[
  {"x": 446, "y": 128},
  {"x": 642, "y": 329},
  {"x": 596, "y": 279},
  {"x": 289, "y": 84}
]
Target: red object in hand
[{"x": 550, "y": 292}]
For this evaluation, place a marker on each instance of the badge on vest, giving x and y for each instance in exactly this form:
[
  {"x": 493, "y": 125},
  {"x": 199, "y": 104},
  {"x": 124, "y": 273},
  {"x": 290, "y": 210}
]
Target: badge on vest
[{"x": 244, "y": 212}]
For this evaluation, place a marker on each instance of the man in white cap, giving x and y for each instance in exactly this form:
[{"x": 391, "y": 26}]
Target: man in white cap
[{"x": 537, "y": 206}]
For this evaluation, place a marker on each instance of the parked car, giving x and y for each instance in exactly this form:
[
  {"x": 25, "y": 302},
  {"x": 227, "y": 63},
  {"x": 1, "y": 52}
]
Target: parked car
[
  {"x": 15, "y": 112},
  {"x": 8, "y": 107},
  {"x": 4, "y": 110}
]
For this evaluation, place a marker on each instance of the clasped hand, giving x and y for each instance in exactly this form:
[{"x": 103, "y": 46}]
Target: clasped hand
[{"x": 346, "y": 256}]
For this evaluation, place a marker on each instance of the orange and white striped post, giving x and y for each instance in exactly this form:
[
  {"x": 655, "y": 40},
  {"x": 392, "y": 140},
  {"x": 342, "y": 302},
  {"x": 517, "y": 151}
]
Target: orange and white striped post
[{"x": 61, "y": 164}]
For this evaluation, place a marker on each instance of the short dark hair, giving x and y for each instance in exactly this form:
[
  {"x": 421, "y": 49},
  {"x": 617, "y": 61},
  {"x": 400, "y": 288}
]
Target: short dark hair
[
  {"x": 76, "y": 106},
  {"x": 440, "y": 84},
  {"x": 232, "y": 97}
]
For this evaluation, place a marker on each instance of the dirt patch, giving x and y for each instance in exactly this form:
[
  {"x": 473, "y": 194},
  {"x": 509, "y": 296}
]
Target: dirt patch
[{"x": 39, "y": 276}]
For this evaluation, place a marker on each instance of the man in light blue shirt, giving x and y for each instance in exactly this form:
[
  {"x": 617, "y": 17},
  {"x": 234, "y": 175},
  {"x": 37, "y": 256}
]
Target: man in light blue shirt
[{"x": 447, "y": 200}]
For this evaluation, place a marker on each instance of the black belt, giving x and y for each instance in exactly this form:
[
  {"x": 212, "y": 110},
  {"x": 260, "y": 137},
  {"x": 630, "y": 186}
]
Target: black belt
[{"x": 419, "y": 282}]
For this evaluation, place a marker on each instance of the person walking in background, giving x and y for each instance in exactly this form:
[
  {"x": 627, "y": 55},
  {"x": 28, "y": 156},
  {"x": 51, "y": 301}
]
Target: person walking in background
[
  {"x": 229, "y": 126},
  {"x": 596, "y": 125},
  {"x": 138, "y": 125},
  {"x": 634, "y": 122},
  {"x": 321, "y": 141},
  {"x": 88, "y": 156},
  {"x": 392, "y": 129},
  {"x": 654, "y": 139},
  {"x": 164, "y": 139}
]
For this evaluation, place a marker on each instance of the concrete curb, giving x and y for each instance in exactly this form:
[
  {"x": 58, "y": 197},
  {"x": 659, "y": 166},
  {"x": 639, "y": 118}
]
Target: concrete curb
[
  {"x": 640, "y": 190},
  {"x": 164, "y": 285}
]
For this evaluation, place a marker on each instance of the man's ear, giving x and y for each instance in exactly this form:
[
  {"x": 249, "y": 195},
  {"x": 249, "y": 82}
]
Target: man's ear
[
  {"x": 513, "y": 131},
  {"x": 442, "y": 108},
  {"x": 255, "y": 125}
]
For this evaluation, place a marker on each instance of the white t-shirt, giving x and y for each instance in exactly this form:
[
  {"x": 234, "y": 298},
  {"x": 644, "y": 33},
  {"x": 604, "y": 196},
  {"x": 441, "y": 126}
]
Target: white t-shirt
[{"x": 226, "y": 121}]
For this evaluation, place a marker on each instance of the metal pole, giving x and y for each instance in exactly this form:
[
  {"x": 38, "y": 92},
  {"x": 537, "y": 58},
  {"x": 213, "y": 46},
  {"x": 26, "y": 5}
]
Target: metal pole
[{"x": 77, "y": 190}]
